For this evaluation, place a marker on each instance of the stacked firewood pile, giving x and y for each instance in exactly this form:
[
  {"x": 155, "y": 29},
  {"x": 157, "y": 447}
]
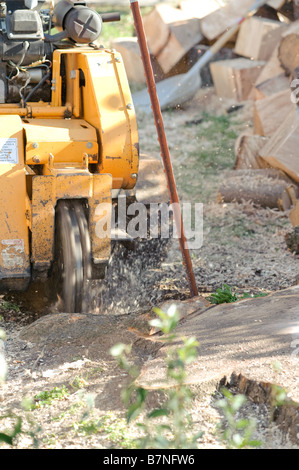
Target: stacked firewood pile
[
  {"x": 260, "y": 64},
  {"x": 265, "y": 69}
]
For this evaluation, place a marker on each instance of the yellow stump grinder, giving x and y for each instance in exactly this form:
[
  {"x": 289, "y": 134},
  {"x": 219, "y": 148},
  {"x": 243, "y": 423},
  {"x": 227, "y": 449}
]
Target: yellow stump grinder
[{"x": 68, "y": 141}]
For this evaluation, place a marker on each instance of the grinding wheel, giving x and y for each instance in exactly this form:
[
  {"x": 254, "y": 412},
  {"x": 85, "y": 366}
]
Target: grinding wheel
[{"x": 72, "y": 261}]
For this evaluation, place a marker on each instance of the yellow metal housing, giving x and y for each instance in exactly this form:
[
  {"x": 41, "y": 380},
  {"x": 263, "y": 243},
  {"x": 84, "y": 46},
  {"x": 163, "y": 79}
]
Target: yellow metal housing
[
  {"x": 65, "y": 141},
  {"x": 69, "y": 184},
  {"x": 104, "y": 101},
  {"x": 81, "y": 145},
  {"x": 14, "y": 236}
]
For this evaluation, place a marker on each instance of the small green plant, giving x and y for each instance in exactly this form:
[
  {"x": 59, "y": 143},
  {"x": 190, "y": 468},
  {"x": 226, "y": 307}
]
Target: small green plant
[
  {"x": 78, "y": 383},
  {"x": 116, "y": 429},
  {"x": 20, "y": 426},
  {"x": 237, "y": 433},
  {"x": 110, "y": 426},
  {"x": 223, "y": 295},
  {"x": 246, "y": 295},
  {"x": 226, "y": 295},
  {"x": 169, "y": 426},
  {"x": 8, "y": 436},
  {"x": 86, "y": 427},
  {"x": 45, "y": 398},
  {"x": 8, "y": 305}
]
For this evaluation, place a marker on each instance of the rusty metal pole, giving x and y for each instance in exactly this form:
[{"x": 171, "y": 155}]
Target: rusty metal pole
[{"x": 174, "y": 199}]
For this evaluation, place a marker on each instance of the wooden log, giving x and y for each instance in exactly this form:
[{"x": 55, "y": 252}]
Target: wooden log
[
  {"x": 292, "y": 241},
  {"x": 177, "y": 46},
  {"x": 272, "y": 173},
  {"x": 296, "y": 9},
  {"x": 288, "y": 53},
  {"x": 270, "y": 112},
  {"x": 276, "y": 4},
  {"x": 286, "y": 11},
  {"x": 270, "y": 87},
  {"x": 287, "y": 56},
  {"x": 281, "y": 151},
  {"x": 171, "y": 33},
  {"x": 200, "y": 9},
  {"x": 157, "y": 28},
  {"x": 218, "y": 21},
  {"x": 247, "y": 149},
  {"x": 294, "y": 215},
  {"x": 272, "y": 68},
  {"x": 129, "y": 49},
  {"x": 257, "y": 37},
  {"x": 235, "y": 78},
  {"x": 258, "y": 189}
]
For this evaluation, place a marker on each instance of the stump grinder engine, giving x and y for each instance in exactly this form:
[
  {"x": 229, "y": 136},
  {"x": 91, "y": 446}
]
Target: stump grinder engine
[{"x": 68, "y": 142}]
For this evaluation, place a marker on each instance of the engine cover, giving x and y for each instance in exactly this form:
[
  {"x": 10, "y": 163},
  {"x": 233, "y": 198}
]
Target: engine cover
[{"x": 24, "y": 24}]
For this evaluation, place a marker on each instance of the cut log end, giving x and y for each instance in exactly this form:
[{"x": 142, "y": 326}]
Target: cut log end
[{"x": 264, "y": 188}]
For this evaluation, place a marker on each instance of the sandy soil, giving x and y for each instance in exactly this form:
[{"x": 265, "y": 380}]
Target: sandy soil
[{"x": 244, "y": 246}]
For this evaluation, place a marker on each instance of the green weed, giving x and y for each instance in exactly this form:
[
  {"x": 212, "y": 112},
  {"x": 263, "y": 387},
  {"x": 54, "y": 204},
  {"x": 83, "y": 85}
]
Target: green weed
[
  {"x": 46, "y": 398},
  {"x": 223, "y": 295},
  {"x": 20, "y": 425},
  {"x": 109, "y": 426},
  {"x": 246, "y": 295},
  {"x": 236, "y": 433},
  {"x": 78, "y": 382},
  {"x": 8, "y": 305},
  {"x": 8, "y": 436},
  {"x": 169, "y": 425}
]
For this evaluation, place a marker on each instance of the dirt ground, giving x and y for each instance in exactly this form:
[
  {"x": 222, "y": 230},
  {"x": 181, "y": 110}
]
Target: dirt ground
[{"x": 243, "y": 246}]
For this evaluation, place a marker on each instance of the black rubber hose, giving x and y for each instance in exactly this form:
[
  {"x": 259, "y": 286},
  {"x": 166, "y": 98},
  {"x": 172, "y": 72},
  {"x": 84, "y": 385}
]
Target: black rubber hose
[
  {"x": 45, "y": 77},
  {"x": 107, "y": 17},
  {"x": 56, "y": 37}
]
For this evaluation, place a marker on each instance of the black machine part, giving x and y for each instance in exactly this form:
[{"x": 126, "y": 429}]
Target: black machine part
[
  {"x": 78, "y": 22},
  {"x": 72, "y": 266},
  {"x": 26, "y": 43}
]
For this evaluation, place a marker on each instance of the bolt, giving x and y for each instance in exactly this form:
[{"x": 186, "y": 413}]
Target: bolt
[
  {"x": 35, "y": 159},
  {"x": 129, "y": 106},
  {"x": 134, "y": 176},
  {"x": 35, "y": 145},
  {"x": 85, "y": 161},
  {"x": 89, "y": 145}
]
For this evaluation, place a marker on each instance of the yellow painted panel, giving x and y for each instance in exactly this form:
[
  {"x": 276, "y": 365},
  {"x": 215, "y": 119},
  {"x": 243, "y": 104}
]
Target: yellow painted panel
[
  {"x": 14, "y": 243},
  {"x": 113, "y": 114},
  {"x": 107, "y": 105},
  {"x": 67, "y": 140},
  {"x": 43, "y": 217},
  {"x": 73, "y": 186},
  {"x": 47, "y": 189},
  {"x": 100, "y": 209}
]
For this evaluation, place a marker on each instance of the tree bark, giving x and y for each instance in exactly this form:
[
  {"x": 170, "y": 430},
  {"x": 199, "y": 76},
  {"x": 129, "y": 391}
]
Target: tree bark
[{"x": 256, "y": 186}]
